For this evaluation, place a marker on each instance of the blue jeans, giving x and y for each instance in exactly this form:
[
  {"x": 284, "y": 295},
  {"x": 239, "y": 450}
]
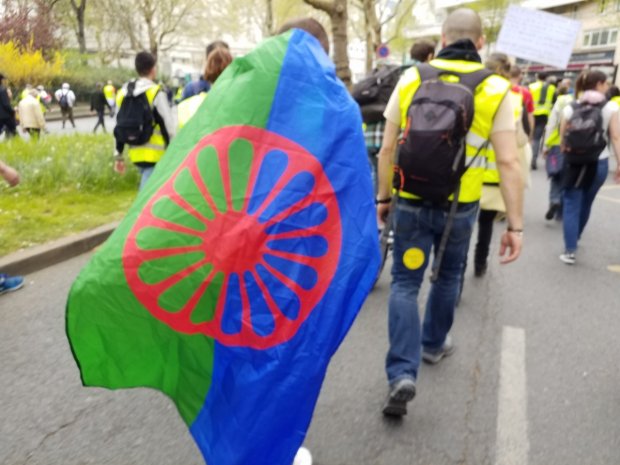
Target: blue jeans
[
  {"x": 578, "y": 204},
  {"x": 145, "y": 174},
  {"x": 419, "y": 229}
]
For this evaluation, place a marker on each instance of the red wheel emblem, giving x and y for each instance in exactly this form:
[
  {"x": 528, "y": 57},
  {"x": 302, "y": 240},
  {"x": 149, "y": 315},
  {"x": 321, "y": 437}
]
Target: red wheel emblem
[{"x": 242, "y": 241}]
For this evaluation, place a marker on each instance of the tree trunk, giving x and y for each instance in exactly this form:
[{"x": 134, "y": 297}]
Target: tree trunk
[
  {"x": 337, "y": 11},
  {"x": 79, "y": 10},
  {"x": 269, "y": 18},
  {"x": 339, "y": 20}
]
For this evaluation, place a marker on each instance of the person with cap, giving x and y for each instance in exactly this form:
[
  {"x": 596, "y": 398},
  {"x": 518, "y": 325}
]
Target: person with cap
[{"x": 66, "y": 100}]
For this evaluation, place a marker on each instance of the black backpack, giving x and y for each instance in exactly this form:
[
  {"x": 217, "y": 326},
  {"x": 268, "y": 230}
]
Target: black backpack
[
  {"x": 64, "y": 101},
  {"x": 135, "y": 120},
  {"x": 584, "y": 137},
  {"x": 373, "y": 92},
  {"x": 431, "y": 156}
]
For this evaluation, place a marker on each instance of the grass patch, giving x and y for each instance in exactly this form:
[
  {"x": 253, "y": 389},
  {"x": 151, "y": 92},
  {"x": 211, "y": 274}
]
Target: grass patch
[{"x": 67, "y": 186}]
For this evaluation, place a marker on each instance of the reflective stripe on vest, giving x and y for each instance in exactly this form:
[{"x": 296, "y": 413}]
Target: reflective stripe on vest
[
  {"x": 152, "y": 151},
  {"x": 487, "y": 98},
  {"x": 189, "y": 106},
  {"x": 491, "y": 174},
  {"x": 545, "y": 107}
]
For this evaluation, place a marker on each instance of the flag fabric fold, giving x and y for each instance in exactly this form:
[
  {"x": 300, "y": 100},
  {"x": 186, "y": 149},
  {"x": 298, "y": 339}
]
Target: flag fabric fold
[{"x": 242, "y": 264}]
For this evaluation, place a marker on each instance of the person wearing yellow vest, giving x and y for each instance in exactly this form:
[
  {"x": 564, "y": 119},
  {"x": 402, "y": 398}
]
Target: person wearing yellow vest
[
  {"x": 554, "y": 158},
  {"x": 491, "y": 203},
  {"x": 147, "y": 155},
  {"x": 543, "y": 93},
  {"x": 217, "y": 61},
  {"x": 109, "y": 91},
  {"x": 419, "y": 224}
]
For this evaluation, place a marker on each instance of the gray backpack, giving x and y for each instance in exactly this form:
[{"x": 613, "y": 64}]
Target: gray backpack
[{"x": 431, "y": 156}]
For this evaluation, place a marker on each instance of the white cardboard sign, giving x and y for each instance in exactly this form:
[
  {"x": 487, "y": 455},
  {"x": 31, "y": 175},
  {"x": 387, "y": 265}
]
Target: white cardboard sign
[{"x": 538, "y": 36}]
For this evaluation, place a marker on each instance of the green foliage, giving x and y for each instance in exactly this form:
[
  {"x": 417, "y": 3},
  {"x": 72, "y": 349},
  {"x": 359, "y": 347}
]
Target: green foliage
[
  {"x": 56, "y": 164},
  {"x": 82, "y": 75},
  {"x": 67, "y": 186}
]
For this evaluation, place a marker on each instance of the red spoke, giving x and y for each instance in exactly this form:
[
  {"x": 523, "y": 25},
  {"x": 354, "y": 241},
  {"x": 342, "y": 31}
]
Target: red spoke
[
  {"x": 170, "y": 281},
  {"x": 221, "y": 303},
  {"x": 225, "y": 173},
  {"x": 148, "y": 255},
  {"x": 271, "y": 303},
  {"x": 296, "y": 288},
  {"x": 197, "y": 295},
  {"x": 295, "y": 208},
  {"x": 246, "y": 312},
  {"x": 185, "y": 205},
  {"x": 161, "y": 223},
  {"x": 253, "y": 177},
  {"x": 312, "y": 262},
  {"x": 202, "y": 187},
  {"x": 311, "y": 231}
]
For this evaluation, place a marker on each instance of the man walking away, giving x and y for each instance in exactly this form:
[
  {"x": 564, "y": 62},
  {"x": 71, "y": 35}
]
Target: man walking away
[
  {"x": 543, "y": 94},
  {"x": 98, "y": 104},
  {"x": 66, "y": 99},
  {"x": 31, "y": 116},
  {"x": 109, "y": 92},
  {"x": 7, "y": 113},
  {"x": 437, "y": 212},
  {"x": 147, "y": 133}
]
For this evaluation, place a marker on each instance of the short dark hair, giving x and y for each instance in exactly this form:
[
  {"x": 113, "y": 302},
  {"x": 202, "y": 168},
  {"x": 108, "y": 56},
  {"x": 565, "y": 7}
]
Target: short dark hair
[
  {"x": 515, "y": 71},
  {"x": 311, "y": 26},
  {"x": 613, "y": 91},
  {"x": 145, "y": 62},
  {"x": 216, "y": 44},
  {"x": 421, "y": 49}
]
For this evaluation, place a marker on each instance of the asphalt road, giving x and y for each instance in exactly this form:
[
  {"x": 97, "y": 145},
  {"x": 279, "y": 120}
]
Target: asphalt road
[{"x": 534, "y": 380}]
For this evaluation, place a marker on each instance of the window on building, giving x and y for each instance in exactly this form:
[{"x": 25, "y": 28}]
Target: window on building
[{"x": 600, "y": 38}]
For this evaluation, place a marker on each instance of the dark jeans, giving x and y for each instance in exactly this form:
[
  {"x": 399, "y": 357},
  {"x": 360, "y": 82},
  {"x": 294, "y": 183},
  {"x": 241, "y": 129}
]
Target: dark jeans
[
  {"x": 539, "y": 130},
  {"x": 578, "y": 205},
  {"x": 67, "y": 113},
  {"x": 417, "y": 231},
  {"x": 9, "y": 126},
  {"x": 100, "y": 120},
  {"x": 485, "y": 234}
]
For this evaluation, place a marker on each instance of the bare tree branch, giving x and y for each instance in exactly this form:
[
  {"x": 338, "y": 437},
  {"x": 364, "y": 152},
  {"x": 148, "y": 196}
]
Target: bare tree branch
[{"x": 328, "y": 6}]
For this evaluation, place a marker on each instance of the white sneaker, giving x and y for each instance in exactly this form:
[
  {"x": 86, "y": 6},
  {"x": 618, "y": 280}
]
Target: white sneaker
[
  {"x": 303, "y": 457},
  {"x": 568, "y": 258}
]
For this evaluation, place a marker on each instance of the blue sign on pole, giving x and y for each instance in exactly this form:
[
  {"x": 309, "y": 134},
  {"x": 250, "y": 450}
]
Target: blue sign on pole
[{"x": 383, "y": 51}]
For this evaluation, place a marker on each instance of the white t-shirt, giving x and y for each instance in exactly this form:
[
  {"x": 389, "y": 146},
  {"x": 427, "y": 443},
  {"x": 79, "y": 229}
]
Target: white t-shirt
[{"x": 608, "y": 111}]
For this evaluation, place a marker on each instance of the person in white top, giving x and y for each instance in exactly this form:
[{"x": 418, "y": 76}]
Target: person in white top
[
  {"x": 66, "y": 99},
  {"x": 583, "y": 181}
]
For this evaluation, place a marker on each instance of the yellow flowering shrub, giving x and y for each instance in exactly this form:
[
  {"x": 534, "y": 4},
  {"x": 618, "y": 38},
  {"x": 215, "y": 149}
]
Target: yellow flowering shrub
[{"x": 25, "y": 65}]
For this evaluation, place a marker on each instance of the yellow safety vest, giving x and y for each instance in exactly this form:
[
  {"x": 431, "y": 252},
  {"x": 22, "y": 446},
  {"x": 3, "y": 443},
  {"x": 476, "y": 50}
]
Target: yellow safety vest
[
  {"x": 545, "y": 107},
  {"x": 487, "y": 98},
  {"x": 554, "y": 138},
  {"x": 109, "y": 91},
  {"x": 152, "y": 151},
  {"x": 491, "y": 174},
  {"x": 616, "y": 100},
  {"x": 189, "y": 106}
]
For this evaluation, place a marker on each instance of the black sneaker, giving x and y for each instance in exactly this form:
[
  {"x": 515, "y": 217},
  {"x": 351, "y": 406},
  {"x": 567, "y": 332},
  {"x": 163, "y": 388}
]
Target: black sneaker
[
  {"x": 480, "y": 270},
  {"x": 553, "y": 210},
  {"x": 401, "y": 392}
]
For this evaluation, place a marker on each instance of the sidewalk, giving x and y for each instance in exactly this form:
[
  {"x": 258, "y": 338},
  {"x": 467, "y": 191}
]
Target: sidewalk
[
  {"x": 81, "y": 110},
  {"x": 39, "y": 257}
]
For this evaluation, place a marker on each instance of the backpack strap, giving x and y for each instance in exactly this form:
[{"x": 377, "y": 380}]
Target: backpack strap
[
  {"x": 474, "y": 79},
  {"x": 131, "y": 86},
  {"x": 543, "y": 94},
  {"x": 428, "y": 72}
]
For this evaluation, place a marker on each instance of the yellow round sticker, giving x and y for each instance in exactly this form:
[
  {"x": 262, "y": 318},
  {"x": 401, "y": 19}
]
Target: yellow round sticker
[{"x": 413, "y": 258}]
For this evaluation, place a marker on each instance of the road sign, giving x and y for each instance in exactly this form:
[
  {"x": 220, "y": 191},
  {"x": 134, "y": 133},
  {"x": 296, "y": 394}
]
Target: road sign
[{"x": 383, "y": 51}]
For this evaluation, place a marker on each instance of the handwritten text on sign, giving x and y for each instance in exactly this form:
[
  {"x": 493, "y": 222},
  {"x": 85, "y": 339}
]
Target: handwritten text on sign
[{"x": 538, "y": 36}]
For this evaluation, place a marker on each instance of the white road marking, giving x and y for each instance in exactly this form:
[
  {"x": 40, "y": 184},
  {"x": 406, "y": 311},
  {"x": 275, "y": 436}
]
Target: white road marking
[
  {"x": 512, "y": 438},
  {"x": 614, "y": 268},
  {"x": 610, "y": 199},
  {"x": 610, "y": 187}
]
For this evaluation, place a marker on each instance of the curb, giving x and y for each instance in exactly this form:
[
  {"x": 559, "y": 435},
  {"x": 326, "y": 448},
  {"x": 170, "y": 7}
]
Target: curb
[{"x": 39, "y": 257}]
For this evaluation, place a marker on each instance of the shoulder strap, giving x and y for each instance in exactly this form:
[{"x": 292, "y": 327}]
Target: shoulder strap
[
  {"x": 543, "y": 93},
  {"x": 427, "y": 72},
  {"x": 474, "y": 79},
  {"x": 130, "y": 88}
]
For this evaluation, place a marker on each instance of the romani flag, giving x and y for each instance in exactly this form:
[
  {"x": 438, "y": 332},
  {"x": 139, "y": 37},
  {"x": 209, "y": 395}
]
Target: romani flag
[{"x": 244, "y": 261}]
